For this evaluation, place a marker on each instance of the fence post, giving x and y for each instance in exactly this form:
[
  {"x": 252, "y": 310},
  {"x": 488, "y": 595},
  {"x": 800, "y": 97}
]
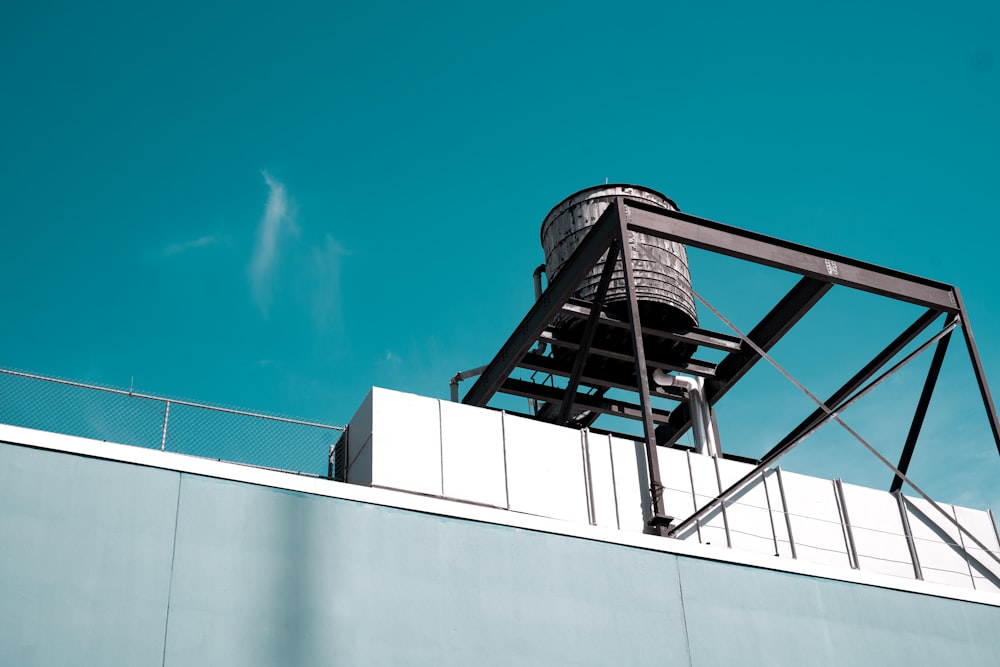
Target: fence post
[{"x": 163, "y": 437}]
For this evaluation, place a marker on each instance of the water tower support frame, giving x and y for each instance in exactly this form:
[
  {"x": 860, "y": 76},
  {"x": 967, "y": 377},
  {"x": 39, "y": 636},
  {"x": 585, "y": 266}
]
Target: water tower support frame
[{"x": 819, "y": 272}]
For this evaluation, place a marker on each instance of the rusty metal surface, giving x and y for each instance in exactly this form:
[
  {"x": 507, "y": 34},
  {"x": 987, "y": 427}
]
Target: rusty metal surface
[{"x": 662, "y": 278}]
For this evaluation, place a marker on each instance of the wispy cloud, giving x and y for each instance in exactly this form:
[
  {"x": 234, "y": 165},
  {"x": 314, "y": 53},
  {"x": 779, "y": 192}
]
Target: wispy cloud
[
  {"x": 202, "y": 242},
  {"x": 327, "y": 310},
  {"x": 277, "y": 221},
  {"x": 303, "y": 270}
]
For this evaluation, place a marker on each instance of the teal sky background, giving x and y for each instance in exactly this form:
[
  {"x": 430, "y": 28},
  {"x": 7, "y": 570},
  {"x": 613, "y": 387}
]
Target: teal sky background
[{"x": 277, "y": 206}]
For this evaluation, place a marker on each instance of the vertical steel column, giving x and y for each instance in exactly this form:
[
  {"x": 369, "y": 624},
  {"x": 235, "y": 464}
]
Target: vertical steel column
[
  {"x": 694, "y": 496},
  {"x": 918, "y": 416},
  {"x": 784, "y": 507},
  {"x": 659, "y": 520},
  {"x": 770, "y": 512},
  {"x": 852, "y": 550},
  {"x": 910, "y": 542}
]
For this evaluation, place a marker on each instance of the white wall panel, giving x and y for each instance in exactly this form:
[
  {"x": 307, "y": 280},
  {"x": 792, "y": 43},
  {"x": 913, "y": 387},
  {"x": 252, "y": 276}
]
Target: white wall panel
[
  {"x": 602, "y": 480},
  {"x": 938, "y": 545},
  {"x": 545, "y": 469},
  {"x": 473, "y": 465},
  {"x": 749, "y": 518},
  {"x": 711, "y": 527},
  {"x": 985, "y": 569},
  {"x": 359, "y": 440},
  {"x": 631, "y": 484},
  {"x": 878, "y": 531},
  {"x": 406, "y": 442},
  {"x": 675, "y": 476},
  {"x": 815, "y": 519}
]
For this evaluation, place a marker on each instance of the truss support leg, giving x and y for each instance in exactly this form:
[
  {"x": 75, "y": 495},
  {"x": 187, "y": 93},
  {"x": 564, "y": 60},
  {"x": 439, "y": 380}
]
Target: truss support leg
[
  {"x": 659, "y": 521},
  {"x": 977, "y": 367},
  {"x": 918, "y": 416},
  {"x": 566, "y": 409}
]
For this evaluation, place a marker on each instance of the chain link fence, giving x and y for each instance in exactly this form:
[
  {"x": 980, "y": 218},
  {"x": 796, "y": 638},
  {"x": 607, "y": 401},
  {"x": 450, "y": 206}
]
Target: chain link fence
[{"x": 125, "y": 417}]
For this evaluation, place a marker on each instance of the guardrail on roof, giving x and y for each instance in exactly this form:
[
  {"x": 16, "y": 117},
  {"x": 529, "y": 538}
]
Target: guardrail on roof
[{"x": 156, "y": 422}]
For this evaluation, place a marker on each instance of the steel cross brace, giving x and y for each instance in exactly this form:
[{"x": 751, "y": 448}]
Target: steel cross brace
[
  {"x": 589, "y": 330},
  {"x": 829, "y": 410}
]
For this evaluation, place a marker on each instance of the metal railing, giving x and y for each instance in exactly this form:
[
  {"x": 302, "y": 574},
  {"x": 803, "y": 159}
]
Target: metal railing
[{"x": 168, "y": 424}]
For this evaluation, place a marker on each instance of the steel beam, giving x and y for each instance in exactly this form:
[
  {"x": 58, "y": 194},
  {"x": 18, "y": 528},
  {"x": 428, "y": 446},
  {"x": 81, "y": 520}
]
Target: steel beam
[
  {"x": 918, "y": 416},
  {"x": 800, "y": 259},
  {"x": 592, "y": 377},
  {"x": 590, "y": 328},
  {"x": 977, "y": 367},
  {"x": 792, "y": 307},
  {"x": 572, "y": 273},
  {"x": 692, "y": 366},
  {"x": 692, "y": 335},
  {"x": 659, "y": 519},
  {"x": 556, "y": 395}
]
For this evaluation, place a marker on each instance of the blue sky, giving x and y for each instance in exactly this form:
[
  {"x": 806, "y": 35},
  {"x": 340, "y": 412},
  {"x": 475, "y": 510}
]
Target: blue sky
[{"x": 279, "y": 206}]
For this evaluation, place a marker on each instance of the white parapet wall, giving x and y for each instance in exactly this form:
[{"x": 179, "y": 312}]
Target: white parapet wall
[{"x": 484, "y": 456}]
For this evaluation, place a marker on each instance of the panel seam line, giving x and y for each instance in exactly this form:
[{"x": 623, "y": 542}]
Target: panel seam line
[
  {"x": 173, "y": 557},
  {"x": 684, "y": 620}
]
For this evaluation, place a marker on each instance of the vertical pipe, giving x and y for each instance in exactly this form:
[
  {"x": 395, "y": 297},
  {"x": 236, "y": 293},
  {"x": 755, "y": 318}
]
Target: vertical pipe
[
  {"x": 705, "y": 441},
  {"x": 537, "y": 278},
  {"x": 715, "y": 426},
  {"x": 910, "y": 542},
  {"x": 784, "y": 507},
  {"x": 694, "y": 497},
  {"x": 163, "y": 436},
  {"x": 852, "y": 550},
  {"x": 697, "y": 419},
  {"x": 708, "y": 420}
]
